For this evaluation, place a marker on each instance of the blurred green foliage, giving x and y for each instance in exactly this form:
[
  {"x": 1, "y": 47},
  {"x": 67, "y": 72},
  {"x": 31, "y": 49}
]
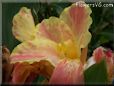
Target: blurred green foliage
[{"x": 102, "y": 28}]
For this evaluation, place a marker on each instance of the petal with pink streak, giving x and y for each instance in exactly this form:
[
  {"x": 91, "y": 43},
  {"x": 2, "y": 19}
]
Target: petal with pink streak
[
  {"x": 26, "y": 73},
  {"x": 36, "y": 50},
  {"x": 98, "y": 54},
  {"x": 67, "y": 72},
  {"x": 20, "y": 73},
  {"x": 54, "y": 29},
  {"x": 77, "y": 17},
  {"x": 23, "y": 25}
]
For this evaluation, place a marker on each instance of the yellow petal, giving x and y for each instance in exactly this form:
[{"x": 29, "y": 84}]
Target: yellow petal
[
  {"x": 35, "y": 51},
  {"x": 78, "y": 18},
  {"x": 23, "y": 25},
  {"x": 54, "y": 29},
  {"x": 59, "y": 32},
  {"x": 70, "y": 49}
]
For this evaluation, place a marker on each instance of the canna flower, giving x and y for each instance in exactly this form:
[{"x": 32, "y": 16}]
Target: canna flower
[
  {"x": 60, "y": 41},
  {"x": 99, "y": 54}
]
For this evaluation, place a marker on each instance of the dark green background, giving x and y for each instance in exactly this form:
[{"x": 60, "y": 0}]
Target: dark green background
[{"x": 102, "y": 28}]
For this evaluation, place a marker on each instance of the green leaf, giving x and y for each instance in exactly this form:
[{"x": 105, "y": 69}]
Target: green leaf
[
  {"x": 96, "y": 74},
  {"x": 103, "y": 39},
  {"x": 39, "y": 79}
]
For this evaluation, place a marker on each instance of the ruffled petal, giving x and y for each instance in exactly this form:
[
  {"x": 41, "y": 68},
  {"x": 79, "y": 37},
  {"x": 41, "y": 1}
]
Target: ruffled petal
[
  {"x": 57, "y": 31},
  {"x": 23, "y": 25},
  {"x": 26, "y": 73},
  {"x": 54, "y": 29},
  {"x": 98, "y": 54},
  {"x": 67, "y": 72},
  {"x": 20, "y": 73},
  {"x": 36, "y": 50},
  {"x": 85, "y": 39},
  {"x": 77, "y": 17}
]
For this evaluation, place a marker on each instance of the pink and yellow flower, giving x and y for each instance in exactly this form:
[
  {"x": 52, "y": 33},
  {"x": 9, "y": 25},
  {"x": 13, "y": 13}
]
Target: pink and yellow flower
[
  {"x": 99, "y": 54},
  {"x": 61, "y": 41}
]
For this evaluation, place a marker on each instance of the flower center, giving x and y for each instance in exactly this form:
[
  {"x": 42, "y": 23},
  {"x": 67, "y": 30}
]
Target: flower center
[{"x": 70, "y": 49}]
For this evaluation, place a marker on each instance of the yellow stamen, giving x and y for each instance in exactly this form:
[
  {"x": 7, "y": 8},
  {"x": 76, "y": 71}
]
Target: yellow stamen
[{"x": 70, "y": 49}]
